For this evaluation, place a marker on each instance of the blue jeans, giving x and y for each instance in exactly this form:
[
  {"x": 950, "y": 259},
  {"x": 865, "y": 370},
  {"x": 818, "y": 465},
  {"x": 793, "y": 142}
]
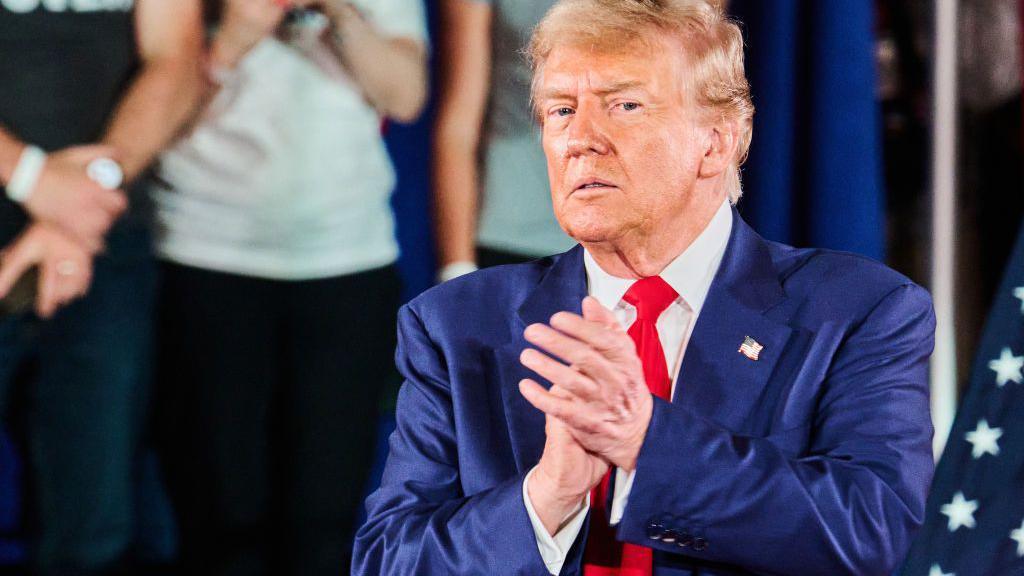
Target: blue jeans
[{"x": 76, "y": 388}]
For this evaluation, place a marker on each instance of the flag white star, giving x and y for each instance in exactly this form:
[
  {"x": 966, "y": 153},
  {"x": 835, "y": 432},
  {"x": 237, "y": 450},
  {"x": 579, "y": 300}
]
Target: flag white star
[
  {"x": 936, "y": 571},
  {"x": 1007, "y": 367},
  {"x": 984, "y": 439},
  {"x": 1019, "y": 293},
  {"x": 960, "y": 512},
  {"x": 1018, "y": 535}
]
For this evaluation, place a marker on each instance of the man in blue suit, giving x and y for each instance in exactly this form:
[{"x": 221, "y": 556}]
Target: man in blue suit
[{"x": 675, "y": 395}]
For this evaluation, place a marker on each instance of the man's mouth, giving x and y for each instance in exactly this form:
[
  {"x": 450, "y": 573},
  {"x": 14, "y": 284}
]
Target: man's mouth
[{"x": 591, "y": 184}]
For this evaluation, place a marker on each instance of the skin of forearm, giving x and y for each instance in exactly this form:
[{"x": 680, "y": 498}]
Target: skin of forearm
[
  {"x": 222, "y": 51},
  {"x": 221, "y": 54},
  {"x": 10, "y": 153},
  {"x": 455, "y": 198},
  {"x": 463, "y": 85},
  {"x": 153, "y": 111},
  {"x": 392, "y": 73}
]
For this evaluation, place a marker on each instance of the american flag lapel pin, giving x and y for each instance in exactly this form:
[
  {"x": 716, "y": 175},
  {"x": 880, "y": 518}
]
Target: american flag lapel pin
[{"x": 750, "y": 348}]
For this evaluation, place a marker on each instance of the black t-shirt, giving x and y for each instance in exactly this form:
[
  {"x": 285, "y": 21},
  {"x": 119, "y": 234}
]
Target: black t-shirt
[{"x": 64, "y": 65}]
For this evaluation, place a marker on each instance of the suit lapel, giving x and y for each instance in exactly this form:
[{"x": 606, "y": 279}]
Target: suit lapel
[
  {"x": 563, "y": 287},
  {"x": 715, "y": 379}
]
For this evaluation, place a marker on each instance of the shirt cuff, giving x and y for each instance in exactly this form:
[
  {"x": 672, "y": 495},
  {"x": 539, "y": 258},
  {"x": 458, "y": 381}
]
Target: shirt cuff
[
  {"x": 454, "y": 270},
  {"x": 623, "y": 485},
  {"x": 554, "y": 549}
]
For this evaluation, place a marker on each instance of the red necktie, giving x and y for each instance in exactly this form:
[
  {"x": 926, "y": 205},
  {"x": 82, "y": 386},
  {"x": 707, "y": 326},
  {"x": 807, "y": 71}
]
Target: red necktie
[{"x": 604, "y": 555}]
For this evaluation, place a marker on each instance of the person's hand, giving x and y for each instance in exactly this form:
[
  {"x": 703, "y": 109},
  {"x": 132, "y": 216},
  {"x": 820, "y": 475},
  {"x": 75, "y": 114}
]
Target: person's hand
[
  {"x": 338, "y": 11},
  {"x": 68, "y": 199},
  {"x": 65, "y": 268},
  {"x": 243, "y": 25},
  {"x": 607, "y": 405},
  {"x": 564, "y": 476}
]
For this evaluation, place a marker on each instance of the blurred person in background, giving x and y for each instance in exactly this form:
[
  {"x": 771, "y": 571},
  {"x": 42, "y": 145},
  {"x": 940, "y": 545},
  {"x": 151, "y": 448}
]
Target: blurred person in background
[
  {"x": 492, "y": 204},
  {"x": 84, "y": 81},
  {"x": 279, "y": 300}
]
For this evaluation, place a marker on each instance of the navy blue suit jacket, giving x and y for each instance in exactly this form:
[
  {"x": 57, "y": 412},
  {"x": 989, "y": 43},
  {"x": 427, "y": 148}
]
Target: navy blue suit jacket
[{"x": 814, "y": 459}]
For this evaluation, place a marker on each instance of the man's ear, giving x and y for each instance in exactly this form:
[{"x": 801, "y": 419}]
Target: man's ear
[{"x": 720, "y": 148}]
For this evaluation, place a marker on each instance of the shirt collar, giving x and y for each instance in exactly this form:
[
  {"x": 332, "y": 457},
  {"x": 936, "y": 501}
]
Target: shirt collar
[{"x": 689, "y": 274}]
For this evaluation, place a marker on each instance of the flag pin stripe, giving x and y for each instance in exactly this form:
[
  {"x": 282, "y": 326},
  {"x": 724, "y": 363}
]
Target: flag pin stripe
[{"x": 750, "y": 348}]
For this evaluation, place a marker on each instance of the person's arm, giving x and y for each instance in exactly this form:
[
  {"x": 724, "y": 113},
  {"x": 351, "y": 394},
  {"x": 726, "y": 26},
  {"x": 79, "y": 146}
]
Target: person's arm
[
  {"x": 163, "y": 95},
  {"x": 243, "y": 25},
  {"x": 62, "y": 194},
  {"x": 10, "y": 152},
  {"x": 557, "y": 525},
  {"x": 65, "y": 268},
  {"x": 78, "y": 212},
  {"x": 72, "y": 212},
  {"x": 392, "y": 72},
  {"x": 849, "y": 504},
  {"x": 465, "y": 54},
  {"x": 420, "y": 521}
]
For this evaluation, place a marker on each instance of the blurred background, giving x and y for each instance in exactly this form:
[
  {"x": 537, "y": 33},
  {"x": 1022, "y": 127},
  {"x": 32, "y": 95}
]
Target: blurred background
[{"x": 889, "y": 128}]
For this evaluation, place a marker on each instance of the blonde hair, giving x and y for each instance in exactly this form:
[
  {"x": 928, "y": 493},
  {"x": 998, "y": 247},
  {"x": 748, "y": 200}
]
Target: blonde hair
[{"x": 713, "y": 43}]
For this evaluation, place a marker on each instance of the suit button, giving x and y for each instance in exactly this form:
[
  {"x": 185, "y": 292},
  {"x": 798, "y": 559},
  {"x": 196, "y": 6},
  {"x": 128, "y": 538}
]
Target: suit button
[
  {"x": 700, "y": 544},
  {"x": 684, "y": 540},
  {"x": 669, "y": 536},
  {"x": 655, "y": 531}
]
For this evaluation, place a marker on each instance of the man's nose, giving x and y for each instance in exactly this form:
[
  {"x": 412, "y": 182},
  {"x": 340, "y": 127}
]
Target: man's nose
[{"x": 586, "y": 133}]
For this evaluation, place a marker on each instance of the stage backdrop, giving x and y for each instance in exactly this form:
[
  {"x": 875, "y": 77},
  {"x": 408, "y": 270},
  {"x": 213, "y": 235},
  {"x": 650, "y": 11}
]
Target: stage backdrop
[{"x": 814, "y": 176}]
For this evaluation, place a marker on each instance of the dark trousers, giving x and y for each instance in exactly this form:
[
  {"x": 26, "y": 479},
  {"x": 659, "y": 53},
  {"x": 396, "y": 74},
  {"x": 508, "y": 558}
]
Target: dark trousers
[
  {"x": 79, "y": 412},
  {"x": 268, "y": 401}
]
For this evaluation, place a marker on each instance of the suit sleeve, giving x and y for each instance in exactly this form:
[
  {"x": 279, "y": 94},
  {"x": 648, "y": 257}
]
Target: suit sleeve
[
  {"x": 849, "y": 505},
  {"x": 420, "y": 521}
]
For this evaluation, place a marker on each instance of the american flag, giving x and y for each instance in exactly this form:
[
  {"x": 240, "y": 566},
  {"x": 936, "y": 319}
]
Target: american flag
[
  {"x": 750, "y": 348},
  {"x": 975, "y": 516}
]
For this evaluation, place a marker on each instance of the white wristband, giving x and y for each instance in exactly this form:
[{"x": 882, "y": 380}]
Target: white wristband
[
  {"x": 26, "y": 174},
  {"x": 454, "y": 270}
]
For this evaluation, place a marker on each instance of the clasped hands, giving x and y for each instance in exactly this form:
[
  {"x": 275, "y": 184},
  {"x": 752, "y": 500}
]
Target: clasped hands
[
  {"x": 70, "y": 216},
  {"x": 597, "y": 410}
]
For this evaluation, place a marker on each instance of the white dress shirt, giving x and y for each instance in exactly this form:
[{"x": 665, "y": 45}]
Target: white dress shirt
[{"x": 690, "y": 275}]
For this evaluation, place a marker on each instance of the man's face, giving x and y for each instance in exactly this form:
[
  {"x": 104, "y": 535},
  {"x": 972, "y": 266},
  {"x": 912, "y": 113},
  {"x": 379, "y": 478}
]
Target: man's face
[{"x": 622, "y": 139}]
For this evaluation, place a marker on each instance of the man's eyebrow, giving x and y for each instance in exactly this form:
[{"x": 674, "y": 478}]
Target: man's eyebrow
[
  {"x": 621, "y": 86},
  {"x": 555, "y": 94},
  {"x": 612, "y": 88}
]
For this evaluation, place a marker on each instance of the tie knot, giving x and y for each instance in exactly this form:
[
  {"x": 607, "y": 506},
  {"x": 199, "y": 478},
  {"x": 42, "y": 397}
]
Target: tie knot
[{"x": 650, "y": 296}]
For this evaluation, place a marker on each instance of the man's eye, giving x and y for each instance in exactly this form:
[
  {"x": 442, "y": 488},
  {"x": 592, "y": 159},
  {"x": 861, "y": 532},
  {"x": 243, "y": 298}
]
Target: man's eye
[
  {"x": 630, "y": 106},
  {"x": 563, "y": 111}
]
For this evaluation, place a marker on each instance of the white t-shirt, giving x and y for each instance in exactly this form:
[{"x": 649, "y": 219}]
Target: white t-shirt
[{"x": 286, "y": 176}]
